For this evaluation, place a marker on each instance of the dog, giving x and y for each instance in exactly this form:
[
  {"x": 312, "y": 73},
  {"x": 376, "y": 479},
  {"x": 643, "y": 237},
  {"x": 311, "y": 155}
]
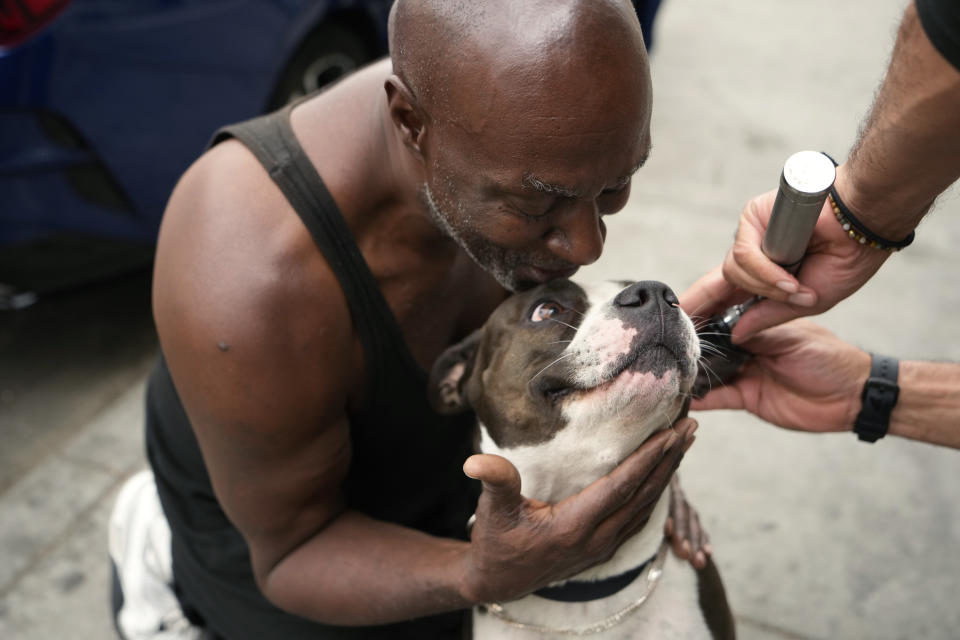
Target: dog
[{"x": 566, "y": 380}]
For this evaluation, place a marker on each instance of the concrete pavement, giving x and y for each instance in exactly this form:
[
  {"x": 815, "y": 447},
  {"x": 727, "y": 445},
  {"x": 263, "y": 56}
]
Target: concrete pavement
[
  {"x": 71, "y": 380},
  {"x": 817, "y": 537}
]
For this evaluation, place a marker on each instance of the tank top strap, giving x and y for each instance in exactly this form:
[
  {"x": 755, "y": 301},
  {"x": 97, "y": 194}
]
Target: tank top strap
[{"x": 271, "y": 139}]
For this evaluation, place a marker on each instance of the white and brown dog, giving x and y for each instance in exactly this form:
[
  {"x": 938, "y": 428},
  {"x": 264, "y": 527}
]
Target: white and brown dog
[{"x": 566, "y": 381}]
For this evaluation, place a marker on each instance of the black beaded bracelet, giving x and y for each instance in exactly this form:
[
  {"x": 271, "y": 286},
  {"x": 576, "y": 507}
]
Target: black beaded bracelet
[{"x": 856, "y": 229}]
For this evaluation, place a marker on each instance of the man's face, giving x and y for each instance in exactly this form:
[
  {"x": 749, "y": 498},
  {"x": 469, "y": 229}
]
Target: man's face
[{"x": 522, "y": 185}]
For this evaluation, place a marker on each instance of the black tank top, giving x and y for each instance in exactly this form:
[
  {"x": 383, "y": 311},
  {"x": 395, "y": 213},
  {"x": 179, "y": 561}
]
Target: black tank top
[{"x": 407, "y": 460}]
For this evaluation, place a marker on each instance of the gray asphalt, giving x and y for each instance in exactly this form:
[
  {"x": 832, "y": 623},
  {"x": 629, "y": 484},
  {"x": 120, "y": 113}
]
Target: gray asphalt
[{"x": 817, "y": 536}]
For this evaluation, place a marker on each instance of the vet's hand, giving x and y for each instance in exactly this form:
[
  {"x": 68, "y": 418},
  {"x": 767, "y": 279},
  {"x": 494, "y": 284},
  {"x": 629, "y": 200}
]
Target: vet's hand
[
  {"x": 519, "y": 545},
  {"x": 689, "y": 540},
  {"x": 801, "y": 377},
  {"x": 834, "y": 267}
]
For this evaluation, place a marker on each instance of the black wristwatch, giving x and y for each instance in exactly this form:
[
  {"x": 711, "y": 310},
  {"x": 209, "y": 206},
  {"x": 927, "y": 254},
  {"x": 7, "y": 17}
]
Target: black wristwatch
[{"x": 879, "y": 397}]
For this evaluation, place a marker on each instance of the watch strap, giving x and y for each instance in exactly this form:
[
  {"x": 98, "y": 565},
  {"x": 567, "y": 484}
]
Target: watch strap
[{"x": 879, "y": 397}]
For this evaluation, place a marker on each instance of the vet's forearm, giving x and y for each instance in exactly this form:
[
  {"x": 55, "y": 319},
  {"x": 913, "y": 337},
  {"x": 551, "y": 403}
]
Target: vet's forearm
[
  {"x": 907, "y": 153},
  {"x": 928, "y": 408},
  {"x": 359, "y": 571}
]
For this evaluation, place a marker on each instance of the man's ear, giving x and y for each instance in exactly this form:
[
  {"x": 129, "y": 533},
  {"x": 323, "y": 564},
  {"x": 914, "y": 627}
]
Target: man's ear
[
  {"x": 448, "y": 378},
  {"x": 406, "y": 114}
]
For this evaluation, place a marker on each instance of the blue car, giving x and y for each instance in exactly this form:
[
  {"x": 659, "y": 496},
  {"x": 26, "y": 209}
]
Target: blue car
[{"x": 105, "y": 103}]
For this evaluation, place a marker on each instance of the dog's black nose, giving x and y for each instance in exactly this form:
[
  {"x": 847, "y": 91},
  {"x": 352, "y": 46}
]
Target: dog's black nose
[{"x": 644, "y": 293}]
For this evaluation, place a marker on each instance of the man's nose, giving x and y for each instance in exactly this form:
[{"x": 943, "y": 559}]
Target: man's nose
[
  {"x": 647, "y": 294},
  {"x": 579, "y": 235}
]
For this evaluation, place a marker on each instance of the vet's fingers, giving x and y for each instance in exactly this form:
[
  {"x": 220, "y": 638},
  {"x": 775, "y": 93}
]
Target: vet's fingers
[
  {"x": 611, "y": 492},
  {"x": 766, "y": 314},
  {"x": 746, "y": 267},
  {"x": 722, "y": 397},
  {"x": 782, "y": 338},
  {"x": 501, "y": 496}
]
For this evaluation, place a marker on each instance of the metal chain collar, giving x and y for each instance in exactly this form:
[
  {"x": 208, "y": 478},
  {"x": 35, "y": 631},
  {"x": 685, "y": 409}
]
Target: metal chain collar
[{"x": 651, "y": 576}]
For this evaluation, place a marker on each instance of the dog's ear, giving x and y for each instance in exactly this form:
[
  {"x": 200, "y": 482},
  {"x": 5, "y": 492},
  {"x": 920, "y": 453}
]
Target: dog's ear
[{"x": 450, "y": 373}]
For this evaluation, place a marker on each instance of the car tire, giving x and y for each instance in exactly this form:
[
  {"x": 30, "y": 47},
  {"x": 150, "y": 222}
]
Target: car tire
[{"x": 331, "y": 51}]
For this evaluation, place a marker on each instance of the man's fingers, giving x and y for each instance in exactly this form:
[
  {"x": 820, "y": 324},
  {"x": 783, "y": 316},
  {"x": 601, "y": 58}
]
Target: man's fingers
[
  {"x": 685, "y": 427},
  {"x": 633, "y": 516},
  {"x": 698, "y": 557},
  {"x": 611, "y": 492},
  {"x": 501, "y": 484},
  {"x": 684, "y": 531},
  {"x": 680, "y": 515}
]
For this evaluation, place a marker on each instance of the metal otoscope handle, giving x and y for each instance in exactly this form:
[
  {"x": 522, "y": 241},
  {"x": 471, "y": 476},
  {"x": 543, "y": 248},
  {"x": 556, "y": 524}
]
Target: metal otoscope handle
[{"x": 804, "y": 183}]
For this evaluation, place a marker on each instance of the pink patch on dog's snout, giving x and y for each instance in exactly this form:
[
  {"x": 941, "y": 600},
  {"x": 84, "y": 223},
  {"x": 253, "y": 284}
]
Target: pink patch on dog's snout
[
  {"x": 631, "y": 381},
  {"x": 612, "y": 338},
  {"x": 639, "y": 391}
]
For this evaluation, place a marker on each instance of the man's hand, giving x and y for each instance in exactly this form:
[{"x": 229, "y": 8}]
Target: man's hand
[
  {"x": 689, "y": 540},
  {"x": 519, "y": 545},
  {"x": 802, "y": 377},
  {"x": 834, "y": 267}
]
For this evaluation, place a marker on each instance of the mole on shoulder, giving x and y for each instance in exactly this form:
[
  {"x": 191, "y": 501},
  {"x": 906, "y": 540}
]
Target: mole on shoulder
[{"x": 223, "y": 346}]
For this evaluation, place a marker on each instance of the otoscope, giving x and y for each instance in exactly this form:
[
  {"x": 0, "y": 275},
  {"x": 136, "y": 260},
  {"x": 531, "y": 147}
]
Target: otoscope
[{"x": 804, "y": 183}]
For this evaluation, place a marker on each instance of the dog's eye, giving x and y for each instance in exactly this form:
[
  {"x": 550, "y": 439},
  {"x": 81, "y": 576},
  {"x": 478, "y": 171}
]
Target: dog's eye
[{"x": 546, "y": 310}]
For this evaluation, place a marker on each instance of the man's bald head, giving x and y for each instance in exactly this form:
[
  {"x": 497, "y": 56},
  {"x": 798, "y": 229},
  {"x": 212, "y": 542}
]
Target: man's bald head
[
  {"x": 526, "y": 121},
  {"x": 455, "y": 53}
]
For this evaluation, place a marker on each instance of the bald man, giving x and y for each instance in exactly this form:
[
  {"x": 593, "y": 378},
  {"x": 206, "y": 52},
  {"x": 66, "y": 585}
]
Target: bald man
[{"x": 311, "y": 266}]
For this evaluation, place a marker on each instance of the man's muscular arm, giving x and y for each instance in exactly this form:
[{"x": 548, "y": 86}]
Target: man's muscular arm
[{"x": 260, "y": 344}]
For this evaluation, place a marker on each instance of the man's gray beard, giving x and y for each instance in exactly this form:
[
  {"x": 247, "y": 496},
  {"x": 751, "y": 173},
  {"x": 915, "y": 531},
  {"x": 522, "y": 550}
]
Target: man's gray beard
[{"x": 496, "y": 261}]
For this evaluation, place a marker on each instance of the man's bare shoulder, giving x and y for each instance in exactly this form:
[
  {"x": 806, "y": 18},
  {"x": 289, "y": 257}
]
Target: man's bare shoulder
[
  {"x": 228, "y": 193},
  {"x": 241, "y": 292},
  {"x": 260, "y": 345}
]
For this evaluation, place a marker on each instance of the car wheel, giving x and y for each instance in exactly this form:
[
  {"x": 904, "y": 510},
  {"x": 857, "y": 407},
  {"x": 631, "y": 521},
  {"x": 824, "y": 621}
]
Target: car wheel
[{"x": 330, "y": 52}]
